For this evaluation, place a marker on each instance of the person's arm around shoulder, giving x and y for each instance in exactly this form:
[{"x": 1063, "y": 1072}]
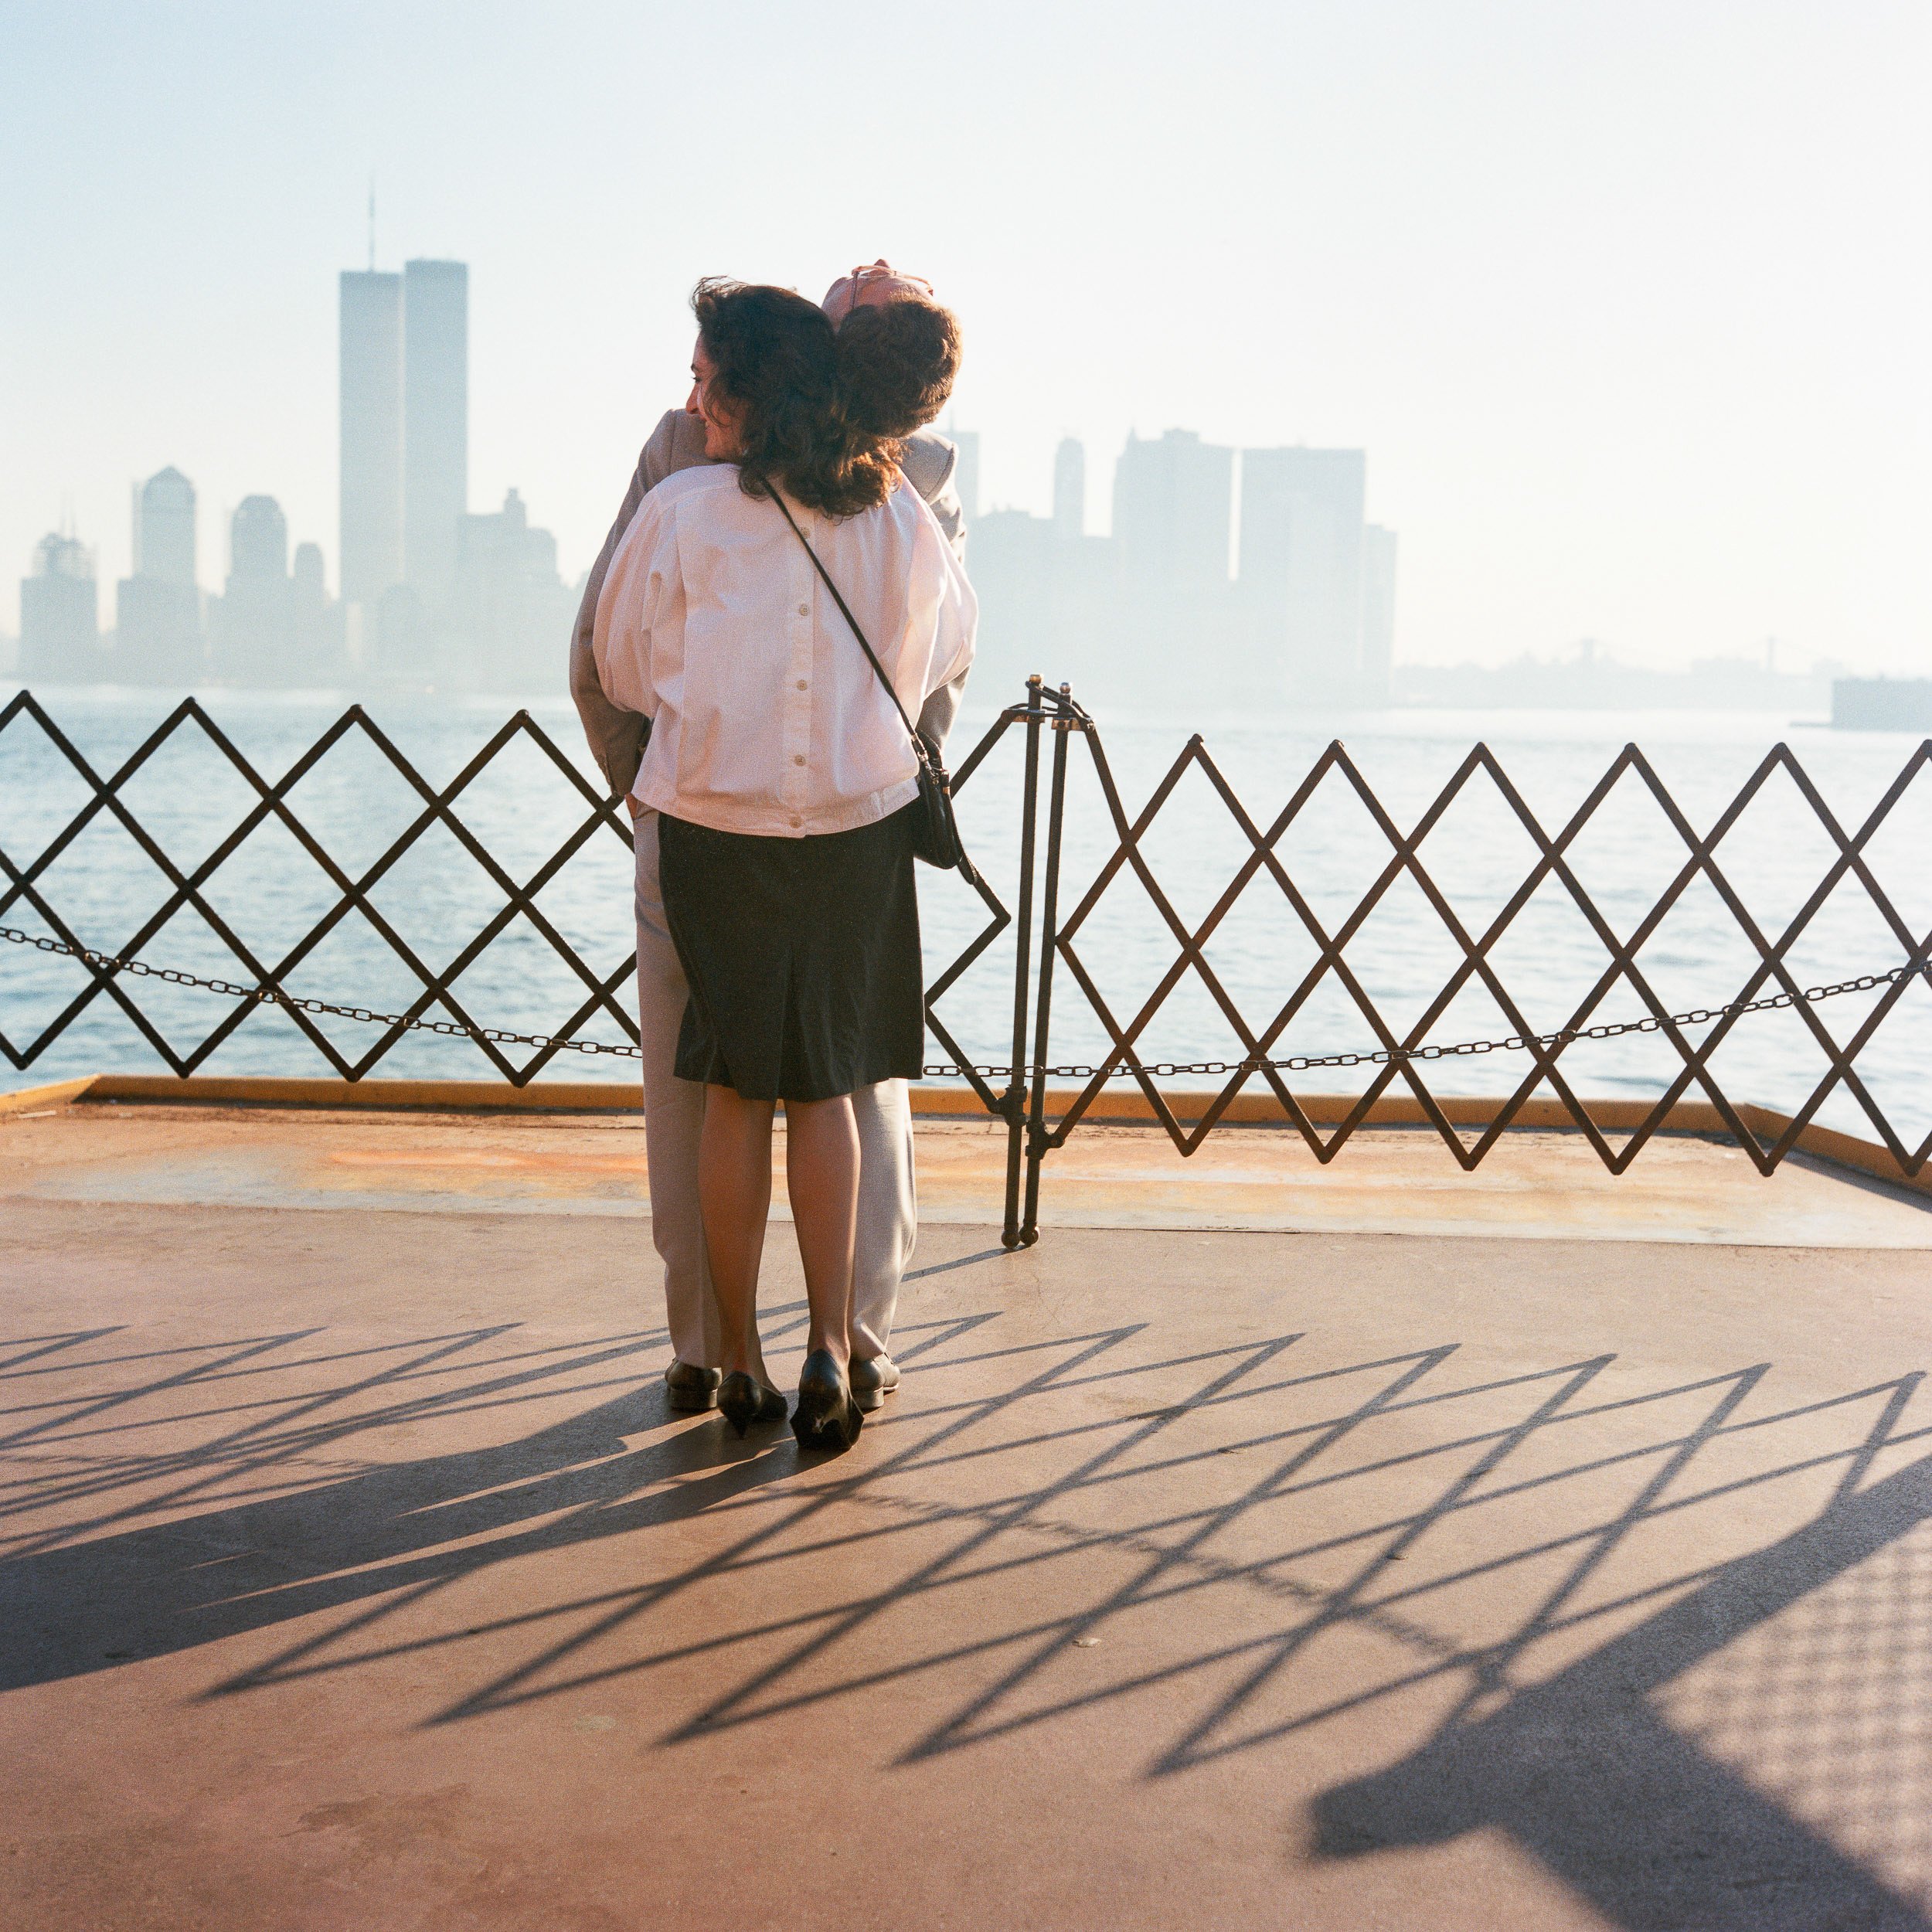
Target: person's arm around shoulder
[
  {"x": 639, "y": 591},
  {"x": 930, "y": 463},
  {"x": 952, "y": 647},
  {"x": 616, "y": 735},
  {"x": 937, "y": 714}
]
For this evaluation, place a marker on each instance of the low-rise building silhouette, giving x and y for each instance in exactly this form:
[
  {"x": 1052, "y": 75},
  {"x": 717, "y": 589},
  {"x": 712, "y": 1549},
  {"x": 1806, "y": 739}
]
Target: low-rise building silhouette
[
  {"x": 1590, "y": 677},
  {"x": 1882, "y": 704}
]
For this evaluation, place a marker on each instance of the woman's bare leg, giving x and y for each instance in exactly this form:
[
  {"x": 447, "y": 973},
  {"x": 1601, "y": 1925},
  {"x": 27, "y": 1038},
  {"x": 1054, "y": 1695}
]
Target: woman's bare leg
[
  {"x": 734, "y": 1197},
  {"x": 822, "y": 1176}
]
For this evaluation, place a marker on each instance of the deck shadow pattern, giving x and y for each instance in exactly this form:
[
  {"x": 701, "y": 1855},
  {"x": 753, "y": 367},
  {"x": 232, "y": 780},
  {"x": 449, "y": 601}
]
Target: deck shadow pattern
[{"x": 1245, "y": 1545}]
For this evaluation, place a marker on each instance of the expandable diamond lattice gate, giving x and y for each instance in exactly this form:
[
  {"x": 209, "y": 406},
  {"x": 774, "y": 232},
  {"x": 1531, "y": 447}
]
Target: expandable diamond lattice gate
[
  {"x": 436, "y": 809},
  {"x": 1403, "y": 1056},
  {"x": 1046, "y": 942},
  {"x": 188, "y": 888}
]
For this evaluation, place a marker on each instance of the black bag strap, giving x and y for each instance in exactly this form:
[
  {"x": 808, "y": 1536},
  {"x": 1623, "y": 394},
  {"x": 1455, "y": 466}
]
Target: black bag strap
[{"x": 920, "y": 750}]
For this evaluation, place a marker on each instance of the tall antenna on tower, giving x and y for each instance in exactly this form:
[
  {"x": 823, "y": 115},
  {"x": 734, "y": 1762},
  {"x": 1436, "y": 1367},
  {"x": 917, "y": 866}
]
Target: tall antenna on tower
[{"x": 372, "y": 224}]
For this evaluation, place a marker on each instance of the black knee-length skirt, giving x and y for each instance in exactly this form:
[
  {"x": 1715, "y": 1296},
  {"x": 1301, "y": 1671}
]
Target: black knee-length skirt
[{"x": 802, "y": 956}]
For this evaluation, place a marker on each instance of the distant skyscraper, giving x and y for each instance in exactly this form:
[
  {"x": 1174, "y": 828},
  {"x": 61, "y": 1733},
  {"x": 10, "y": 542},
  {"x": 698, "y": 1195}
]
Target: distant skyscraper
[
  {"x": 310, "y": 586},
  {"x": 158, "y": 610},
  {"x": 164, "y": 530},
  {"x": 1301, "y": 563},
  {"x": 253, "y": 627},
  {"x": 258, "y": 539},
  {"x": 436, "y": 424},
  {"x": 1069, "y": 489},
  {"x": 317, "y": 641},
  {"x": 371, "y": 539},
  {"x": 966, "y": 472},
  {"x": 1173, "y": 501},
  {"x": 60, "y": 616}
]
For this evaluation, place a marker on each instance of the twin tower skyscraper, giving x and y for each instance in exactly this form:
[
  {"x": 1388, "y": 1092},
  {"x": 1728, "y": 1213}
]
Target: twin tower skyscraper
[{"x": 405, "y": 434}]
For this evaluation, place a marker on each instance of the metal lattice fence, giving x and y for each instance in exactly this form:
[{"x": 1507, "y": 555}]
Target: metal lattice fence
[
  {"x": 1052, "y": 958},
  {"x": 1771, "y": 983}
]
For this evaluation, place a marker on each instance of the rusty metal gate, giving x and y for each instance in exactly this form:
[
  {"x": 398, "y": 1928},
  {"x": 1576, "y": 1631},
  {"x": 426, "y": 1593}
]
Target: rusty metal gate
[{"x": 1048, "y": 964}]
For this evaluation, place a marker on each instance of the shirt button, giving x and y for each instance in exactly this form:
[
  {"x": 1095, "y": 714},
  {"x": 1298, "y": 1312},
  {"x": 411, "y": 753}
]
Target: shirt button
[
  {"x": 805, "y": 609},
  {"x": 802, "y": 686},
  {"x": 796, "y": 820},
  {"x": 799, "y": 759}
]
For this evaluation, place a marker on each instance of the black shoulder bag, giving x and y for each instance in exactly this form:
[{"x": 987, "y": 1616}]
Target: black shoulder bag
[{"x": 935, "y": 831}]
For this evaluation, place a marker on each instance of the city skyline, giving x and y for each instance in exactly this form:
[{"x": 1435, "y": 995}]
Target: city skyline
[
  {"x": 1262, "y": 559},
  {"x": 1070, "y": 499},
  {"x": 432, "y": 595},
  {"x": 1622, "y": 301},
  {"x": 1291, "y": 596}
]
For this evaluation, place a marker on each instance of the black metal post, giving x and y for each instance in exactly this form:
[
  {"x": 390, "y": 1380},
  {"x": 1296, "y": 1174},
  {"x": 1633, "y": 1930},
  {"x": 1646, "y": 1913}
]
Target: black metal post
[
  {"x": 1036, "y": 1135},
  {"x": 1013, "y": 1101}
]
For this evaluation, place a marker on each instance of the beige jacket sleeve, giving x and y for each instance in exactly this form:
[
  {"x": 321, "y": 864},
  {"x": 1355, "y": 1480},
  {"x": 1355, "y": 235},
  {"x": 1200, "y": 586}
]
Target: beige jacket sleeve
[
  {"x": 617, "y": 736},
  {"x": 929, "y": 462}
]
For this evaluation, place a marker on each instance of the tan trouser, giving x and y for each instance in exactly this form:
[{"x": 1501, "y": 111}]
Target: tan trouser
[{"x": 673, "y": 1114}]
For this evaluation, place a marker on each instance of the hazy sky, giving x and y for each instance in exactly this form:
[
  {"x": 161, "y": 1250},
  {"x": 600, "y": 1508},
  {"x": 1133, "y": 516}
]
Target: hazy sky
[{"x": 1630, "y": 303}]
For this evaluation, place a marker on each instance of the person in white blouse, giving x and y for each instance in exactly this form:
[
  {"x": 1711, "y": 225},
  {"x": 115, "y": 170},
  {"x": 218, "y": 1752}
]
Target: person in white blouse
[
  {"x": 781, "y": 772},
  {"x": 911, "y": 357}
]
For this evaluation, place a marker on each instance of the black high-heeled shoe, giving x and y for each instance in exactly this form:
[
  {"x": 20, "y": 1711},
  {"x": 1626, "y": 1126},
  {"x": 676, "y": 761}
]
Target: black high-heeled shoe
[
  {"x": 826, "y": 1416},
  {"x": 743, "y": 1401}
]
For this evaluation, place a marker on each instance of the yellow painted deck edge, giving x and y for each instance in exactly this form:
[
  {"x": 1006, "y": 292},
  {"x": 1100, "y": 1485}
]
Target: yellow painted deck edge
[
  {"x": 58, "y": 1094},
  {"x": 1130, "y": 1107}
]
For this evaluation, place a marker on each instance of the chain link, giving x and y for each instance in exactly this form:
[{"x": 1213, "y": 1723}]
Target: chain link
[
  {"x": 1162, "y": 1069},
  {"x": 274, "y": 996}
]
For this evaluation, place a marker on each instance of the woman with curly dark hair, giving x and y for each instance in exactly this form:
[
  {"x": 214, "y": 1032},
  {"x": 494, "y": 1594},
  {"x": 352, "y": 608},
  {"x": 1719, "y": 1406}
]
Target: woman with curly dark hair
[{"x": 782, "y": 773}]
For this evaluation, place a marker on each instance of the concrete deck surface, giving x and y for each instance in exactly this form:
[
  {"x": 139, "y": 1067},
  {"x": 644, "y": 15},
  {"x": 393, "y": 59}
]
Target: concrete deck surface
[
  {"x": 1387, "y": 1180},
  {"x": 355, "y": 1574}
]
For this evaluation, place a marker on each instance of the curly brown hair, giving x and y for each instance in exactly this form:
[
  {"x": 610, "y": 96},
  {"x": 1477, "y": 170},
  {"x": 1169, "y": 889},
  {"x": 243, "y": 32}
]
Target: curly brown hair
[
  {"x": 776, "y": 361},
  {"x": 897, "y": 363}
]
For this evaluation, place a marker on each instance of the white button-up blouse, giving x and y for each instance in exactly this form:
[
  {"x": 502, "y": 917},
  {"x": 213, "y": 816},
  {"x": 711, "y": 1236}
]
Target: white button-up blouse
[{"x": 765, "y": 717}]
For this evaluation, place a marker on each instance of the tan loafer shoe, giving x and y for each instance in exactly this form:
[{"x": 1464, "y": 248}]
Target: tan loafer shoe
[
  {"x": 691, "y": 1390},
  {"x": 872, "y": 1381}
]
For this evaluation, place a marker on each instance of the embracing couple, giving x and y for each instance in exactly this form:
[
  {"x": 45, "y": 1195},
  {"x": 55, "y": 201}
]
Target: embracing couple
[{"x": 772, "y": 781}]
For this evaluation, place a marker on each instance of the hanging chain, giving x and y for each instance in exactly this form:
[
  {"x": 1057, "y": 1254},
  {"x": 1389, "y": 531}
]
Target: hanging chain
[
  {"x": 1510, "y": 1043},
  {"x": 1298, "y": 1063},
  {"x": 274, "y": 996}
]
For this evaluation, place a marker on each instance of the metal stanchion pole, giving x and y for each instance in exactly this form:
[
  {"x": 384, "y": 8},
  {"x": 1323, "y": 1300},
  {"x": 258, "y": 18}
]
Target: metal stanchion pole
[
  {"x": 1063, "y": 726},
  {"x": 1013, "y": 1101}
]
